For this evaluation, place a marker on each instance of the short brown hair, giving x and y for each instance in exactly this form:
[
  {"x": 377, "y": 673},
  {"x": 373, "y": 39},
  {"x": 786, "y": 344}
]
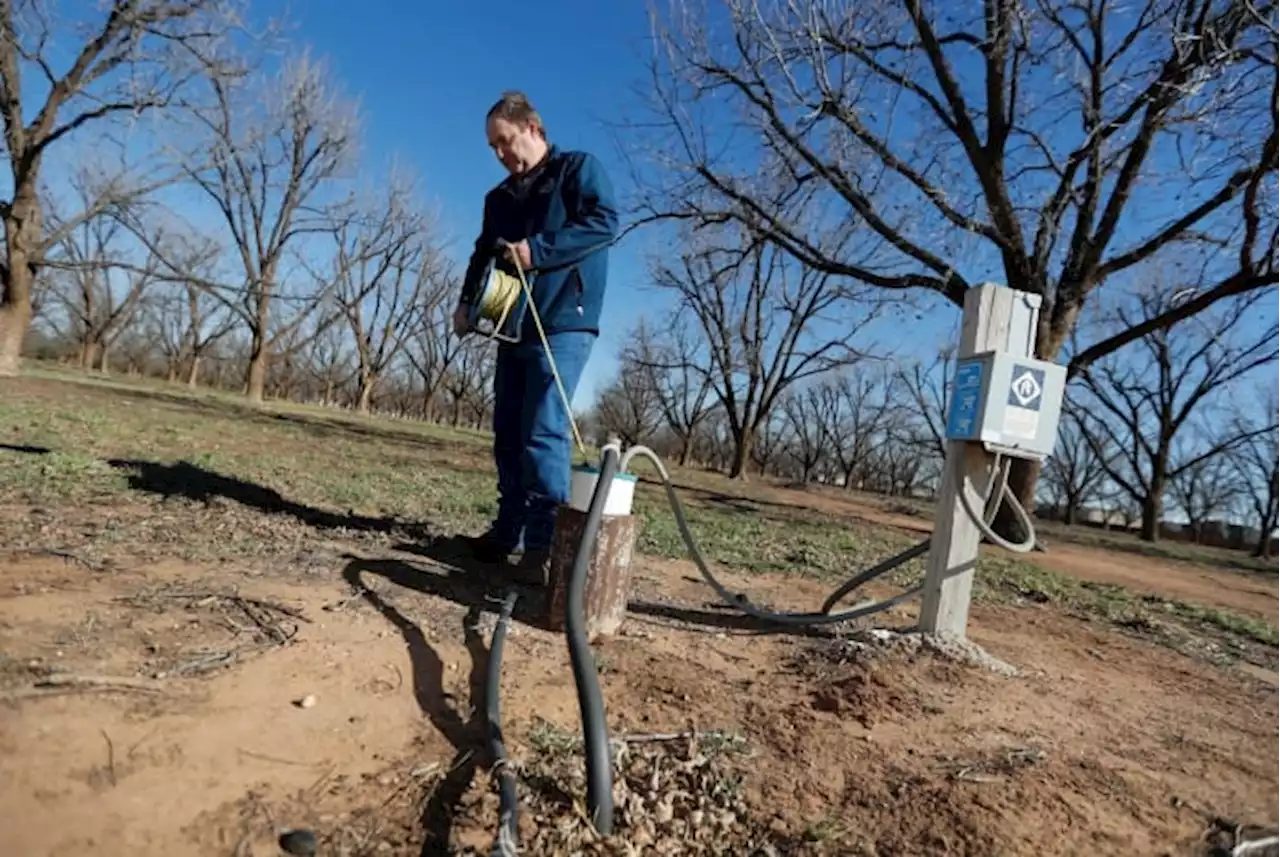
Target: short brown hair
[{"x": 514, "y": 106}]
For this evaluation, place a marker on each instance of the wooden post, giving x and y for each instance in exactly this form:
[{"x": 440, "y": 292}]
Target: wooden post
[
  {"x": 608, "y": 576},
  {"x": 995, "y": 318}
]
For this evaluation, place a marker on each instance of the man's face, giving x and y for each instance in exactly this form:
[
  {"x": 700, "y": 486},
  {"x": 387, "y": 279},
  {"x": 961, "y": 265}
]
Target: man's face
[{"x": 519, "y": 147}]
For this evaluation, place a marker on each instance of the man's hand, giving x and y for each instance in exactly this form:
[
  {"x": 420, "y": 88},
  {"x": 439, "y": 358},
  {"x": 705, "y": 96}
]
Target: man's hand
[
  {"x": 460, "y": 324},
  {"x": 520, "y": 254}
]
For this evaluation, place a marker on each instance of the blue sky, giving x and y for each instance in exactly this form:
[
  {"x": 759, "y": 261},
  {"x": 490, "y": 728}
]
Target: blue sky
[{"x": 426, "y": 73}]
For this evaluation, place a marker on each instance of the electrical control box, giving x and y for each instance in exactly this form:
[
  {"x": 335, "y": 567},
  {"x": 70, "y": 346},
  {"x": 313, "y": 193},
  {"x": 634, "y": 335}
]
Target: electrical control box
[{"x": 1009, "y": 404}]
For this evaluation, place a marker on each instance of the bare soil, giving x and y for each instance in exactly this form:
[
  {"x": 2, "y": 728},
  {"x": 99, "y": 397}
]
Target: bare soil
[
  {"x": 194, "y": 664},
  {"x": 1102, "y": 744}
]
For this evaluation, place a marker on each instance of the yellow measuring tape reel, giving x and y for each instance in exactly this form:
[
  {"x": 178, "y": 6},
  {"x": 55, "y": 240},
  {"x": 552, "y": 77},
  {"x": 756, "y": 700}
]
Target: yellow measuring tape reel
[{"x": 500, "y": 308}]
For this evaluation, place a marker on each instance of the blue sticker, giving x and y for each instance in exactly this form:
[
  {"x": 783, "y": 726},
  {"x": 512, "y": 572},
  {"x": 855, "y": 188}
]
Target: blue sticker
[{"x": 962, "y": 417}]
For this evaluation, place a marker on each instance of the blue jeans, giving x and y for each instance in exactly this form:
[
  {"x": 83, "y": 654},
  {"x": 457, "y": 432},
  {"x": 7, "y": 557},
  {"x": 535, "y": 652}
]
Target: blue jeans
[{"x": 532, "y": 438}]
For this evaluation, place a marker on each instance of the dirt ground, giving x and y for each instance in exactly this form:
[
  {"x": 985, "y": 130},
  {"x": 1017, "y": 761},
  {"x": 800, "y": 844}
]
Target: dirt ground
[
  {"x": 1102, "y": 744},
  {"x": 1248, "y": 594},
  {"x": 196, "y": 669}
]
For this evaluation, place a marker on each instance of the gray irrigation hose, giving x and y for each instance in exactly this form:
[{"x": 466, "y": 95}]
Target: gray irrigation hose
[
  {"x": 999, "y": 474},
  {"x": 875, "y": 571},
  {"x": 826, "y": 617},
  {"x": 506, "y": 843},
  {"x": 595, "y": 732},
  {"x": 738, "y": 600}
]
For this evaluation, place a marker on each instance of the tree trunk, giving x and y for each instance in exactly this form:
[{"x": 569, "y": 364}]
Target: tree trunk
[
  {"x": 22, "y": 232},
  {"x": 366, "y": 395},
  {"x": 260, "y": 347},
  {"x": 15, "y": 319},
  {"x": 741, "y": 456},
  {"x": 1267, "y": 522},
  {"x": 1152, "y": 507},
  {"x": 256, "y": 380},
  {"x": 1071, "y": 515},
  {"x": 104, "y": 359},
  {"x": 193, "y": 372},
  {"x": 88, "y": 352},
  {"x": 685, "y": 446}
]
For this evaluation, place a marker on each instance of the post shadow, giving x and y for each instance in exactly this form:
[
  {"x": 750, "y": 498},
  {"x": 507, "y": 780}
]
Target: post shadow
[{"x": 465, "y": 733}]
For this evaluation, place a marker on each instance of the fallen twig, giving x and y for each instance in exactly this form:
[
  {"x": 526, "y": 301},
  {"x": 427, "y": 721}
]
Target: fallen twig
[
  {"x": 111, "y": 757},
  {"x": 263, "y": 757},
  {"x": 66, "y": 555},
  {"x": 650, "y": 737},
  {"x": 210, "y": 597},
  {"x": 59, "y": 684},
  {"x": 993, "y": 768},
  {"x": 214, "y": 660},
  {"x": 73, "y": 558}
]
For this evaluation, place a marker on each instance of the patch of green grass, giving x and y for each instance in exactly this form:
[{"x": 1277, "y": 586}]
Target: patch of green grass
[
  {"x": 762, "y": 539},
  {"x": 1001, "y": 579},
  {"x": 444, "y": 478}
]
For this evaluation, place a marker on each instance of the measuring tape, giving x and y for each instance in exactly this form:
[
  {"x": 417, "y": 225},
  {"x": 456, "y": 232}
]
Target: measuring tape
[
  {"x": 503, "y": 298},
  {"x": 497, "y": 304}
]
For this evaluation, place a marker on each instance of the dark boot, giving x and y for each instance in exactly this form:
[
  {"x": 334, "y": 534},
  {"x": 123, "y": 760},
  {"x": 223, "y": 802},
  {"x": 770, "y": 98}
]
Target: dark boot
[
  {"x": 533, "y": 567},
  {"x": 486, "y": 549}
]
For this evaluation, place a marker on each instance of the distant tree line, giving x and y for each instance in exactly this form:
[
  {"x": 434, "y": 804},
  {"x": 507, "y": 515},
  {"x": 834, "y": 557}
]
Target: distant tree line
[{"x": 188, "y": 199}]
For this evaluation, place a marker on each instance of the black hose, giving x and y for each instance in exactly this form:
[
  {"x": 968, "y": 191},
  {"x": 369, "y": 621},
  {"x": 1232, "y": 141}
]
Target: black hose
[
  {"x": 595, "y": 731},
  {"x": 875, "y": 571},
  {"x": 505, "y": 844}
]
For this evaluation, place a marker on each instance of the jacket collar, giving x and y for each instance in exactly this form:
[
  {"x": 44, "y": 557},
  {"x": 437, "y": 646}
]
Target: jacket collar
[{"x": 517, "y": 185}]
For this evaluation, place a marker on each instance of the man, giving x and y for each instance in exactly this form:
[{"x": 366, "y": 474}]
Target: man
[{"x": 555, "y": 216}]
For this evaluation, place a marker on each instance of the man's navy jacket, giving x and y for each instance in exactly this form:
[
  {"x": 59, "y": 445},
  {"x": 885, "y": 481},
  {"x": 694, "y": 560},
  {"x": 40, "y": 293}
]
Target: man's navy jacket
[{"x": 564, "y": 207}]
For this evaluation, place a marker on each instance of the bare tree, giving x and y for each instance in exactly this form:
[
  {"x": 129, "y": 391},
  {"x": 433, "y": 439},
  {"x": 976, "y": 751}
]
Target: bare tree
[
  {"x": 469, "y": 373},
  {"x": 433, "y": 347},
  {"x": 630, "y": 406},
  {"x": 682, "y": 387},
  {"x": 1139, "y": 405},
  {"x": 186, "y": 325},
  {"x": 134, "y": 57},
  {"x": 927, "y": 386},
  {"x": 272, "y": 163},
  {"x": 479, "y": 395},
  {"x": 96, "y": 281},
  {"x": 803, "y": 411},
  {"x": 1038, "y": 137},
  {"x": 330, "y": 361},
  {"x": 854, "y": 413},
  {"x": 382, "y": 264},
  {"x": 1257, "y": 464},
  {"x": 762, "y": 321},
  {"x": 1206, "y": 490},
  {"x": 1076, "y": 470},
  {"x": 205, "y": 319}
]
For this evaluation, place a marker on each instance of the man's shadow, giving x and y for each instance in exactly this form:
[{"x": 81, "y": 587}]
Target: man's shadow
[
  {"x": 463, "y": 723},
  {"x": 184, "y": 479}
]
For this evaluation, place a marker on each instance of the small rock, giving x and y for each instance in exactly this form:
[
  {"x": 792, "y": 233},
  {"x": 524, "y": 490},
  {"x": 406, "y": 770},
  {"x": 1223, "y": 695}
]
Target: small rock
[
  {"x": 299, "y": 842},
  {"x": 308, "y": 701}
]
